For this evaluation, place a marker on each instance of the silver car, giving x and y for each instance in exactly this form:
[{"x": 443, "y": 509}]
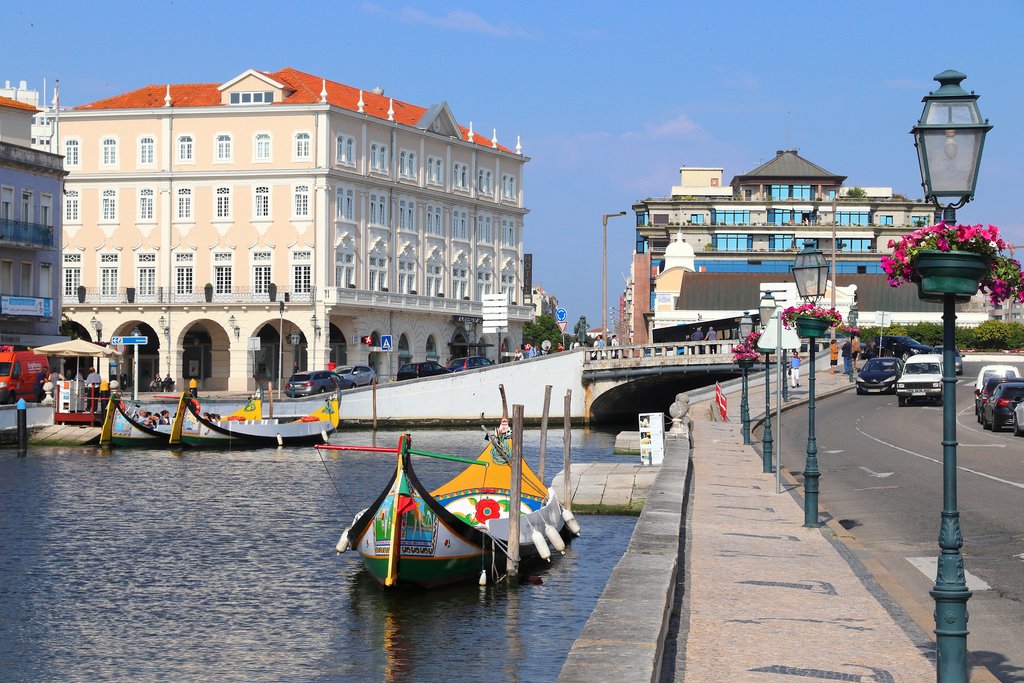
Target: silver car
[
  {"x": 355, "y": 375},
  {"x": 958, "y": 361}
]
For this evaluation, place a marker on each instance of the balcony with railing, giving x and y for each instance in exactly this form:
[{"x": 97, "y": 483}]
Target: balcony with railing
[{"x": 16, "y": 233}]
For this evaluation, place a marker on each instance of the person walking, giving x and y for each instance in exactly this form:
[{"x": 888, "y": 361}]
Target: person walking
[
  {"x": 855, "y": 351},
  {"x": 698, "y": 334},
  {"x": 794, "y": 370},
  {"x": 846, "y": 350},
  {"x": 833, "y": 357}
]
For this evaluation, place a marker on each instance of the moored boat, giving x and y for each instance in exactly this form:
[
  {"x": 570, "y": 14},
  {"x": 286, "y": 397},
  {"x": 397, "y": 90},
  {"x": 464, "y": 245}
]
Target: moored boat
[
  {"x": 192, "y": 427},
  {"x": 140, "y": 424},
  {"x": 458, "y": 532}
]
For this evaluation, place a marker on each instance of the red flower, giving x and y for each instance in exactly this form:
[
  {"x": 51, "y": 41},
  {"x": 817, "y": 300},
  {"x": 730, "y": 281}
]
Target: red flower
[{"x": 487, "y": 508}]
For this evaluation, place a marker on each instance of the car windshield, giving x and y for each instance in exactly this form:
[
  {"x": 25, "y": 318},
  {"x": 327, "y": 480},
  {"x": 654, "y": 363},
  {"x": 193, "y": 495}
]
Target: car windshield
[
  {"x": 882, "y": 365},
  {"x": 922, "y": 369},
  {"x": 5, "y": 369}
]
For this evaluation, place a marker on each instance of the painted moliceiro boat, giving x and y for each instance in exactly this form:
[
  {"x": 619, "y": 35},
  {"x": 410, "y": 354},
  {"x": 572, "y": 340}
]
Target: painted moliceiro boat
[
  {"x": 195, "y": 428},
  {"x": 458, "y": 532},
  {"x": 138, "y": 424}
]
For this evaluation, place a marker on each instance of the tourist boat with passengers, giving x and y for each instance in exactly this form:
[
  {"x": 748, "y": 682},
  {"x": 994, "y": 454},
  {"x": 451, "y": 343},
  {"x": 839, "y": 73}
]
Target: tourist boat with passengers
[
  {"x": 458, "y": 532},
  {"x": 193, "y": 427},
  {"x": 140, "y": 424}
]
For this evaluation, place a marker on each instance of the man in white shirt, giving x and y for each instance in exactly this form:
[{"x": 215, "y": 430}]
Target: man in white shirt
[{"x": 93, "y": 378}]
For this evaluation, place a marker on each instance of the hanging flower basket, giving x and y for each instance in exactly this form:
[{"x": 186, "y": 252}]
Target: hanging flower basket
[
  {"x": 958, "y": 260},
  {"x": 745, "y": 353},
  {"x": 746, "y": 362},
  {"x": 811, "y": 320},
  {"x": 809, "y": 326}
]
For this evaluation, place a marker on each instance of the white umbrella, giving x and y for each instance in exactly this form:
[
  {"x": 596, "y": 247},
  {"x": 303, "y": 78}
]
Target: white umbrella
[{"x": 76, "y": 348}]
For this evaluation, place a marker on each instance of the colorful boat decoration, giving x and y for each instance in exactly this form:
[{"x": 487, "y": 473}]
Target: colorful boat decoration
[
  {"x": 458, "y": 532},
  {"x": 139, "y": 424},
  {"x": 192, "y": 427}
]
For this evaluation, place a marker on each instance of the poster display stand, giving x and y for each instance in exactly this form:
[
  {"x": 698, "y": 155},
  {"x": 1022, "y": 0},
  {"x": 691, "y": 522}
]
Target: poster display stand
[{"x": 652, "y": 438}]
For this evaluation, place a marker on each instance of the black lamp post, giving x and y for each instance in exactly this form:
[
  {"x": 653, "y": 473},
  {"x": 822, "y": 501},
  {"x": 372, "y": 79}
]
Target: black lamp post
[
  {"x": 810, "y": 272},
  {"x": 767, "y": 308},
  {"x": 745, "y": 328},
  {"x": 851, "y": 321},
  {"x": 294, "y": 337},
  {"x": 949, "y": 138}
]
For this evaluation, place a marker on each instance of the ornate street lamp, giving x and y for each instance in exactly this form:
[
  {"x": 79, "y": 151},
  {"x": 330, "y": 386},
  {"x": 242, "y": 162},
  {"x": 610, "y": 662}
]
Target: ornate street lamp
[
  {"x": 949, "y": 138},
  {"x": 767, "y": 308},
  {"x": 745, "y": 328},
  {"x": 294, "y": 337},
  {"x": 233, "y": 323},
  {"x": 810, "y": 273},
  {"x": 98, "y": 326}
]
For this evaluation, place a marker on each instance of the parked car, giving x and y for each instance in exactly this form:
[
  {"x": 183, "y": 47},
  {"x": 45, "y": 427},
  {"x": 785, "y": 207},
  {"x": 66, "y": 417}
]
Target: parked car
[
  {"x": 1018, "y": 417},
  {"x": 983, "y": 396},
  {"x": 921, "y": 379},
  {"x": 993, "y": 371},
  {"x": 998, "y": 411},
  {"x": 958, "y": 361},
  {"x": 468, "y": 363},
  {"x": 899, "y": 346},
  {"x": 310, "y": 383},
  {"x": 878, "y": 376},
  {"x": 355, "y": 375},
  {"x": 427, "y": 368}
]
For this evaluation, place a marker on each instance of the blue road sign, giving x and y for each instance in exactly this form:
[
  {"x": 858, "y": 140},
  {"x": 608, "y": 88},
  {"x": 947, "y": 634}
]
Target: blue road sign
[
  {"x": 560, "y": 315},
  {"x": 130, "y": 341},
  {"x": 385, "y": 342}
]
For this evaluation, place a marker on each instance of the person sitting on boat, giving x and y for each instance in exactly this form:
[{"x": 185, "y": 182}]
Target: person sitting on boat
[
  {"x": 146, "y": 418},
  {"x": 165, "y": 417}
]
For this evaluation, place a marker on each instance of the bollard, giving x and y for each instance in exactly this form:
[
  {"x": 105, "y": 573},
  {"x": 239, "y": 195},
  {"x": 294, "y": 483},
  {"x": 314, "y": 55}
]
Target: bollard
[{"x": 22, "y": 428}]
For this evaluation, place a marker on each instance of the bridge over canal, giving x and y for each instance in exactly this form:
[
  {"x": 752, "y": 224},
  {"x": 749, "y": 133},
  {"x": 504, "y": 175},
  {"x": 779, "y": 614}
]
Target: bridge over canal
[{"x": 607, "y": 386}]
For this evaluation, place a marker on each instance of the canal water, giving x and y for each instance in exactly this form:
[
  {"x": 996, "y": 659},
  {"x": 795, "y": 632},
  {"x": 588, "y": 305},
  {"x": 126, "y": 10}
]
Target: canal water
[{"x": 144, "y": 565}]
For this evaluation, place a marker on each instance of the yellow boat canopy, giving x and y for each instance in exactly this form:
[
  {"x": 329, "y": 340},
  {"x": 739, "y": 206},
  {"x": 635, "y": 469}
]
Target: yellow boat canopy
[{"x": 495, "y": 476}]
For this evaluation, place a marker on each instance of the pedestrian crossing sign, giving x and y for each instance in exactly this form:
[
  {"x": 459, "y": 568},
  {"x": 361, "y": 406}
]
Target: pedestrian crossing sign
[{"x": 385, "y": 342}]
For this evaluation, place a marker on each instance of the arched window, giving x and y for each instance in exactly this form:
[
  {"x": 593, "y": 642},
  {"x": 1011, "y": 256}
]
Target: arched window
[
  {"x": 71, "y": 153},
  {"x": 302, "y": 145},
  {"x": 147, "y": 151},
  {"x": 432, "y": 349},
  {"x": 263, "y": 147},
  {"x": 185, "y": 148},
  {"x": 404, "y": 353},
  {"x": 223, "y": 147},
  {"x": 109, "y": 146}
]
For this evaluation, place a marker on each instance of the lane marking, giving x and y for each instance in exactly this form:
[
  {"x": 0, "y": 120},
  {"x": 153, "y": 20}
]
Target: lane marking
[
  {"x": 983, "y": 445},
  {"x": 833, "y": 452},
  {"x": 929, "y": 566},
  {"x": 880, "y": 475},
  {"x": 937, "y": 462}
]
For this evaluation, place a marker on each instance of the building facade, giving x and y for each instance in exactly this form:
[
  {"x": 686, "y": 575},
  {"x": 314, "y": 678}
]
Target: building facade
[
  {"x": 30, "y": 232},
  {"x": 280, "y": 220},
  {"x": 756, "y": 224}
]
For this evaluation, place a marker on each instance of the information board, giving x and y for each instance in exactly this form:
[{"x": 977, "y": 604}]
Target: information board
[{"x": 652, "y": 438}]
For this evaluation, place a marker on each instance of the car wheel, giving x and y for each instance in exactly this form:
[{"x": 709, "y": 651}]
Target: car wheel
[
  {"x": 985, "y": 424},
  {"x": 901, "y": 400},
  {"x": 860, "y": 392},
  {"x": 323, "y": 390},
  {"x": 905, "y": 356}
]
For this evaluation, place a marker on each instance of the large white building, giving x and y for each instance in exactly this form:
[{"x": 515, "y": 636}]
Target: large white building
[{"x": 281, "y": 219}]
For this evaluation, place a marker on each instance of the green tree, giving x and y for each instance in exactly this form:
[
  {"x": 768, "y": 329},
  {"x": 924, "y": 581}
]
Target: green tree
[
  {"x": 545, "y": 328},
  {"x": 856, "y": 193},
  {"x": 926, "y": 332},
  {"x": 991, "y": 334},
  {"x": 580, "y": 330}
]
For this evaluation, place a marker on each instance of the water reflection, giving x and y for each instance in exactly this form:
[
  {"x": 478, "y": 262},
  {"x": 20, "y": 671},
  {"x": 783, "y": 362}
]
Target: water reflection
[{"x": 220, "y": 565}]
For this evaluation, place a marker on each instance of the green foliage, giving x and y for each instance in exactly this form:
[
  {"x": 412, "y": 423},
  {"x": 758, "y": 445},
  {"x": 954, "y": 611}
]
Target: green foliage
[
  {"x": 926, "y": 333},
  {"x": 991, "y": 334},
  {"x": 856, "y": 193},
  {"x": 545, "y": 327}
]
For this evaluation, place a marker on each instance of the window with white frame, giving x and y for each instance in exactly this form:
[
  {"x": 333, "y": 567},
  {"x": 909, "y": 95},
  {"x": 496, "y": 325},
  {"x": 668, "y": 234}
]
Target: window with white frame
[
  {"x": 460, "y": 221},
  {"x": 255, "y": 97},
  {"x": 261, "y": 267},
  {"x": 434, "y": 275},
  {"x": 434, "y": 225},
  {"x": 302, "y": 272},
  {"x": 109, "y": 268},
  {"x": 378, "y": 272},
  {"x": 184, "y": 276},
  {"x": 508, "y": 186},
  {"x": 378, "y": 157},
  {"x": 345, "y": 200},
  {"x": 72, "y": 274},
  {"x": 145, "y": 274},
  {"x": 407, "y": 163},
  {"x": 109, "y": 148},
  {"x": 72, "y": 149},
  {"x": 223, "y": 147},
  {"x": 71, "y": 206},
  {"x": 222, "y": 273},
  {"x": 344, "y": 268},
  {"x": 147, "y": 151},
  {"x": 406, "y": 274},
  {"x": 378, "y": 209},
  {"x": 300, "y": 206},
  {"x": 262, "y": 198},
  {"x": 184, "y": 204},
  {"x": 45, "y": 280},
  {"x": 435, "y": 171},
  {"x": 262, "y": 147},
  {"x": 484, "y": 179},
  {"x": 346, "y": 150},
  {"x": 147, "y": 204},
  {"x": 45, "y": 217},
  {"x": 460, "y": 281},
  {"x": 7, "y": 203},
  {"x": 508, "y": 281},
  {"x": 483, "y": 282},
  {"x": 302, "y": 145},
  {"x": 460, "y": 176},
  {"x": 108, "y": 205},
  {"x": 484, "y": 230},
  {"x": 508, "y": 233},
  {"x": 185, "y": 149},
  {"x": 407, "y": 215},
  {"x": 222, "y": 203}
]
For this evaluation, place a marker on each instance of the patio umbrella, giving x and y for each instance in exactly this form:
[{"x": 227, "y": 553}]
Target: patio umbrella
[{"x": 76, "y": 348}]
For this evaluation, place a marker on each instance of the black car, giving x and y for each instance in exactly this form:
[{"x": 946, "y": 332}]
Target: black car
[
  {"x": 898, "y": 346},
  {"x": 427, "y": 368},
  {"x": 981, "y": 400},
  {"x": 878, "y": 376},
  {"x": 998, "y": 410},
  {"x": 958, "y": 361}
]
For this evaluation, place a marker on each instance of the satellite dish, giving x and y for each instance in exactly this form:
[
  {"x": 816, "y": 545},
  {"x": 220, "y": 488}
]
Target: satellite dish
[{"x": 546, "y": 345}]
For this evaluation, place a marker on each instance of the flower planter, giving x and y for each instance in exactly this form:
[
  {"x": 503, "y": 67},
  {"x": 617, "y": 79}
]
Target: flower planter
[
  {"x": 949, "y": 272},
  {"x": 745, "y": 362},
  {"x": 809, "y": 326}
]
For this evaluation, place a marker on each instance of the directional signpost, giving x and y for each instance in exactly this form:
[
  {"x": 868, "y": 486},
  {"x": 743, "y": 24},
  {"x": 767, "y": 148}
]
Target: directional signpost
[
  {"x": 495, "y": 316},
  {"x": 562, "y": 318},
  {"x": 135, "y": 341}
]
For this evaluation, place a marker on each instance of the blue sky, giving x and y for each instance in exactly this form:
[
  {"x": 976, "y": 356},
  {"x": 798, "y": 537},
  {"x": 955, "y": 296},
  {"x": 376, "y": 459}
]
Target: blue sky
[{"x": 609, "y": 99}]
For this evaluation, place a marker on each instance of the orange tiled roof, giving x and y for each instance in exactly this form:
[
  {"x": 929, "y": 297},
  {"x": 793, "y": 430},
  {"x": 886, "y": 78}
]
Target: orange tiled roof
[
  {"x": 15, "y": 104},
  {"x": 305, "y": 90}
]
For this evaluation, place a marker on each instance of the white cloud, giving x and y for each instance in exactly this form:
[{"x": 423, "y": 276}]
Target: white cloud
[{"x": 457, "y": 20}]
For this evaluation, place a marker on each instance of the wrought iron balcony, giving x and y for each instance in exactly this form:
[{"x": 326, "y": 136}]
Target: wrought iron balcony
[{"x": 16, "y": 233}]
